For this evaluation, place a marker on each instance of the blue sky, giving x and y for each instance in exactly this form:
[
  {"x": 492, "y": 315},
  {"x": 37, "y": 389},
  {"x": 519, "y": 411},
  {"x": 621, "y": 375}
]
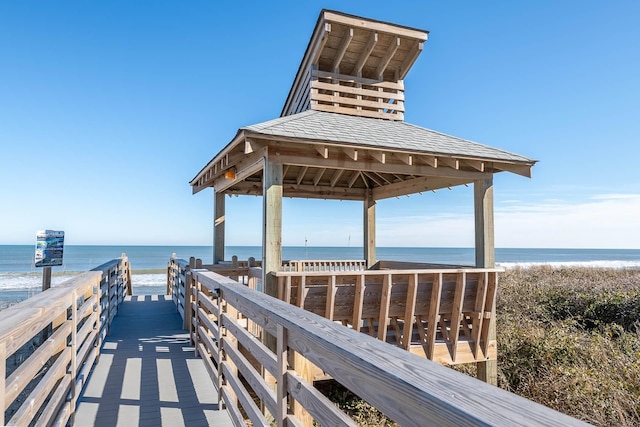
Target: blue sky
[{"x": 108, "y": 109}]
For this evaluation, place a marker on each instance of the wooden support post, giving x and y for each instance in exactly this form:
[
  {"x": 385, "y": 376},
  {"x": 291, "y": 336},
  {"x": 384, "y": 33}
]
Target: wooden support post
[
  {"x": 483, "y": 203},
  {"x": 271, "y": 226},
  {"x": 46, "y": 278},
  {"x": 369, "y": 229},
  {"x": 485, "y": 258},
  {"x": 234, "y": 264},
  {"x": 218, "y": 228}
]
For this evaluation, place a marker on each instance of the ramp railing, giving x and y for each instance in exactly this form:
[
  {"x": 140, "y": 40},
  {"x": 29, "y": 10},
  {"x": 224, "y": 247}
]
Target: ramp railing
[{"x": 49, "y": 343}]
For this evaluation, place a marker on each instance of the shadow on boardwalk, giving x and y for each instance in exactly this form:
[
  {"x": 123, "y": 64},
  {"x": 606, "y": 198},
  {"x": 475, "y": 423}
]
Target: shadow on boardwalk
[{"x": 147, "y": 374}]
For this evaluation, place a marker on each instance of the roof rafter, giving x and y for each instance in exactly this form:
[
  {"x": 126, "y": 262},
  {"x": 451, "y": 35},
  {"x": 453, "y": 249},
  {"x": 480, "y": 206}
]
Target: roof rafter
[
  {"x": 346, "y": 40},
  {"x": 366, "y": 52},
  {"x": 388, "y": 56}
]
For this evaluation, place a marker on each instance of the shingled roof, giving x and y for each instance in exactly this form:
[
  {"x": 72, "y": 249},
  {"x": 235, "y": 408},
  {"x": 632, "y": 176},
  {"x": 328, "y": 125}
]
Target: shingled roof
[{"x": 362, "y": 132}]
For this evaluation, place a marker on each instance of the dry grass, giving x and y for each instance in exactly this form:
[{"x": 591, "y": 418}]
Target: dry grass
[
  {"x": 567, "y": 338},
  {"x": 570, "y": 339}
]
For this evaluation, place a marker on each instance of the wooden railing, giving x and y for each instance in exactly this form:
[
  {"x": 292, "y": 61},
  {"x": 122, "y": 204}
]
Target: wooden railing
[
  {"x": 338, "y": 93},
  {"x": 444, "y": 315},
  {"x": 49, "y": 342},
  {"x": 324, "y": 265},
  {"x": 409, "y": 389}
]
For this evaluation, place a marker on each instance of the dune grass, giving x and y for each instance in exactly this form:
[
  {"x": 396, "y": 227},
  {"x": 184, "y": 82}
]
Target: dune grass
[{"x": 568, "y": 338}]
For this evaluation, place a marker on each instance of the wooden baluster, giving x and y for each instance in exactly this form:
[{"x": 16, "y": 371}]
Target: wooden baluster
[
  {"x": 478, "y": 314},
  {"x": 358, "y": 300},
  {"x": 302, "y": 290},
  {"x": 456, "y": 313},
  {"x": 331, "y": 297},
  {"x": 385, "y": 299},
  {"x": 434, "y": 315},
  {"x": 409, "y": 311},
  {"x": 287, "y": 291}
]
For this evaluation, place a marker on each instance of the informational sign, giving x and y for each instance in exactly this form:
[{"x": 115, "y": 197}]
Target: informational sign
[{"x": 49, "y": 246}]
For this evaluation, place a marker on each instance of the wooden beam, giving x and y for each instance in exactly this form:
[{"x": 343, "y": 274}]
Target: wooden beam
[
  {"x": 405, "y": 158},
  {"x": 366, "y": 52},
  {"x": 323, "y": 150},
  {"x": 303, "y": 171},
  {"x": 382, "y": 177},
  {"x": 369, "y": 228},
  {"x": 299, "y": 158},
  {"x": 250, "y": 146},
  {"x": 410, "y": 59},
  {"x": 523, "y": 170},
  {"x": 218, "y": 227},
  {"x": 384, "y": 27},
  {"x": 322, "y": 192},
  {"x": 318, "y": 176},
  {"x": 251, "y": 164},
  {"x": 323, "y": 37},
  {"x": 351, "y": 152},
  {"x": 413, "y": 186},
  {"x": 449, "y": 162},
  {"x": 485, "y": 257},
  {"x": 364, "y": 179},
  {"x": 388, "y": 56},
  {"x": 372, "y": 178},
  {"x": 428, "y": 160},
  {"x": 474, "y": 164},
  {"x": 484, "y": 223},
  {"x": 354, "y": 178},
  {"x": 336, "y": 177},
  {"x": 348, "y": 78},
  {"x": 380, "y": 156},
  {"x": 346, "y": 40},
  {"x": 271, "y": 225}
]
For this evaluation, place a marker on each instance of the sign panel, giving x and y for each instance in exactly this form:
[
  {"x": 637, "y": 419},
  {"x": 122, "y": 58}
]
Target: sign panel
[{"x": 49, "y": 246}]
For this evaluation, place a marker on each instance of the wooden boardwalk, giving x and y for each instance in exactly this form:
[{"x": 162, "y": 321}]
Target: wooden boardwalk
[{"x": 147, "y": 374}]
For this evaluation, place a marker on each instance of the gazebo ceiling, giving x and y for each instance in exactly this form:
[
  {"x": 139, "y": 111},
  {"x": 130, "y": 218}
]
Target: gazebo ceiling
[{"x": 335, "y": 156}]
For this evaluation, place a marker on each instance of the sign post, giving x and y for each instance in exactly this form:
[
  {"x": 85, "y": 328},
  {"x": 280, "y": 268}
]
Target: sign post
[{"x": 49, "y": 248}]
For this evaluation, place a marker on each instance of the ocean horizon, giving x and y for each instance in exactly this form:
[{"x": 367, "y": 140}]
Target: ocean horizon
[{"x": 20, "y": 279}]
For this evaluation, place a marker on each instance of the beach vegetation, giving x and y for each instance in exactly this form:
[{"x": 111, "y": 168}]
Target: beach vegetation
[{"x": 568, "y": 338}]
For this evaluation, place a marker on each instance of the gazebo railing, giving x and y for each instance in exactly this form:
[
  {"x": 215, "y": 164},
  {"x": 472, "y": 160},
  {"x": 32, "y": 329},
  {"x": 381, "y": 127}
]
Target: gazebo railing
[{"x": 444, "y": 315}]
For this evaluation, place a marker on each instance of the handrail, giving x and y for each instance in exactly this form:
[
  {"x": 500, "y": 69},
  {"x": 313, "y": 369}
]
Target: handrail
[
  {"x": 49, "y": 343},
  {"x": 409, "y": 389}
]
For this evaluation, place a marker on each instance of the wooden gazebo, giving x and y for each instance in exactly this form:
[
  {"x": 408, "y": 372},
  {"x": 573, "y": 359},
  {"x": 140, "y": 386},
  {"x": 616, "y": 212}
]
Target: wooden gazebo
[{"x": 341, "y": 135}]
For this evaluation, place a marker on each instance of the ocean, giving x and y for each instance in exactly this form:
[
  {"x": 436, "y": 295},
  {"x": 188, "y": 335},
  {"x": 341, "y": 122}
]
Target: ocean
[{"x": 20, "y": 279}]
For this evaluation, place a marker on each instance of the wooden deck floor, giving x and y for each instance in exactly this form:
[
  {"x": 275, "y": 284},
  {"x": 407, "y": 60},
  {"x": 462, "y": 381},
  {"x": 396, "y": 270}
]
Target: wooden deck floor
[{"x": 147, "y": 374}]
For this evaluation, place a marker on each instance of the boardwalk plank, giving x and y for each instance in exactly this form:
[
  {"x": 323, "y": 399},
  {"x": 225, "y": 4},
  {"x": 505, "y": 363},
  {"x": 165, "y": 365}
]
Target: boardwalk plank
[{"x": 147, "y": 373}]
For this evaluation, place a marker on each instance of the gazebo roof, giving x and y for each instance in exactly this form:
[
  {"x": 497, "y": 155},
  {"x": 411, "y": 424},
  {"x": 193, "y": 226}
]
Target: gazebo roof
[
  {"x": 362, "y": 132},
  {"x": 337, "y": 156}
]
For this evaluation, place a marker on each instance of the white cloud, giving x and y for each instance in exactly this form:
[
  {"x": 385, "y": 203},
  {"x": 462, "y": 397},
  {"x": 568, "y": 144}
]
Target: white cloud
[{"x": 603, "y": 221}]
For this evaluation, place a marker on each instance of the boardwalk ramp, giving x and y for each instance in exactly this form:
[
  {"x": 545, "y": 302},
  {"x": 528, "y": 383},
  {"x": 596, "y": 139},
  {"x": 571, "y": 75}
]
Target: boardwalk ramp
[{"x": 147, "y": 374}]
